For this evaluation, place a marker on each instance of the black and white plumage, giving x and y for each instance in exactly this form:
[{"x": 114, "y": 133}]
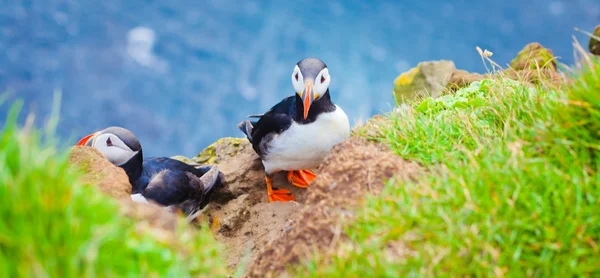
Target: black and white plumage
[
  {"x": 166, "y": 181},
  {"x": 297, "y": 133}
]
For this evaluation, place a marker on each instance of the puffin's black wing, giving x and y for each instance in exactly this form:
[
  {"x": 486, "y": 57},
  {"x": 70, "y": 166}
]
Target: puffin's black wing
[
  {"x": 276, "y": 120},
  {"x": 176, "y": 183},
  {"x": 174, "y": 187},
  {"x": 158, "y": 163},
  {"x": 171, "y": 187}
]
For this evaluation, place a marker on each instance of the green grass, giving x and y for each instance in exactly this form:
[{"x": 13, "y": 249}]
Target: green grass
[
  {"x": 52, "y": 225},
  {"x": 513, "y": 188}
]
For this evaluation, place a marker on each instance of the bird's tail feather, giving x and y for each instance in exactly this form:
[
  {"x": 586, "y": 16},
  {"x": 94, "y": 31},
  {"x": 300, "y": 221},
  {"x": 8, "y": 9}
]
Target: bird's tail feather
[
  {"x": 246, "y": 127},
  {"x": 211, "y": 180}
]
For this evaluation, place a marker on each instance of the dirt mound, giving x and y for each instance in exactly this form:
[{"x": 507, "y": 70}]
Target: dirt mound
[
  {"x": 353, "y": 169},
  {"x": 97, "y": 170},
  {"x": 239, "y": 213},
  {"x": 247, "y": 229}
]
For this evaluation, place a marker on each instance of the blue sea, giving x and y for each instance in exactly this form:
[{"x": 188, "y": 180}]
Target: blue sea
[{"x": 181, "y": 74}]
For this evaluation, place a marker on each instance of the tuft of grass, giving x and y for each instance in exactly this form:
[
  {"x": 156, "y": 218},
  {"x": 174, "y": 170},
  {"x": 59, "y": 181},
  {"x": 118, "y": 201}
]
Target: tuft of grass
[
  {"x": 581, "y": 115},
  {"x": 53, "y": 225},
  {"x": 473, "y": 116},
  {"x": 513, "y": 189}
]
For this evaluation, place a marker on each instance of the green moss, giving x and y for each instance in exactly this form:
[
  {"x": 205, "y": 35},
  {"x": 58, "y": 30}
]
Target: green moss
[
  {"x": 228, "y": 146},
  {"x": 182, "y": 159},
  {"x": 533, "y": 56},
  {"x": 207, "y": 156},
  {"x": 53, "y": 225}
]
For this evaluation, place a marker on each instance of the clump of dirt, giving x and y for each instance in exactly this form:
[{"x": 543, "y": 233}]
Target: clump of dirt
[
  {"x": 98, "y": 171},
  {"x": 352, "y": 170},
  {"x": 248, "y": 231},
  {"x": 463, "y": 78},
  {"x": 239, "y": 213}
]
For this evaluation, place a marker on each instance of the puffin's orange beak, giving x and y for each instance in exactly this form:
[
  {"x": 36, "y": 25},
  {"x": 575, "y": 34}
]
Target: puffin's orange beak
[
  {"x": 307, "y": 97},
  {"x": 85, "y": 140}
]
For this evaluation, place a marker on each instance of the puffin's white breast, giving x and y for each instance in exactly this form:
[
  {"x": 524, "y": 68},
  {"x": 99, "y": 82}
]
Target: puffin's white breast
[
  {"x": 138, "y": 198},
  {"x": 305, "y": 146}
]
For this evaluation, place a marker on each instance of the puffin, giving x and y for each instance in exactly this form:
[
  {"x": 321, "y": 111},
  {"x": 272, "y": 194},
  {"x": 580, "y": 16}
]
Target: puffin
[
  {"x": 166, "y": 181},
  {"x": 297, "y": 133}
]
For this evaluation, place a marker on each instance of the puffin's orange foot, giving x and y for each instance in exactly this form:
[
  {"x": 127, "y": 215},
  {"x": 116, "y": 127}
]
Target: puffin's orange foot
[
  {"x": 301, "y": 178},
  {"x": 281, "y": 195}
]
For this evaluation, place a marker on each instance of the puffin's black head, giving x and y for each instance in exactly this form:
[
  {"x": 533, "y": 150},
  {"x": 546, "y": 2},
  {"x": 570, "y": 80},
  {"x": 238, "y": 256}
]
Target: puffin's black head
[
  {"x": 311, "y": 81},
  {"x": 120, "y": 147}
]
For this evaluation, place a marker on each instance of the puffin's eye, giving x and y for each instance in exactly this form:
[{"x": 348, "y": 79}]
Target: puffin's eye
[
  {"x": 109, "y": 142},
  {"x": 296, "y": 76},
  {"x": 322, "y": 79}
]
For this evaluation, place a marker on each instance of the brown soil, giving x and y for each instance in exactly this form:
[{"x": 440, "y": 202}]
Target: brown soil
[
  {"x": 97, "y": 170},
  {"x": 252, "y": 228},
  {"x": 353, "y": 169},
  {"x": 240, "y": 214},
  {"x": 262, "y": 237}
]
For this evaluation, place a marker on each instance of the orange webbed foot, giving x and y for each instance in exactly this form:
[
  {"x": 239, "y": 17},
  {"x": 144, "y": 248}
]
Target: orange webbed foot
[
  {"x": 281, "y": 195},
  {"x": 301, "y": 178}
]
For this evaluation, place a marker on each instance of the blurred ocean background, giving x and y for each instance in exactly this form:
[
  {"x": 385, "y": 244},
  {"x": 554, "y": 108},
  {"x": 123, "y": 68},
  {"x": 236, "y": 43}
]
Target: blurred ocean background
[{"x": 181, "y": 74}]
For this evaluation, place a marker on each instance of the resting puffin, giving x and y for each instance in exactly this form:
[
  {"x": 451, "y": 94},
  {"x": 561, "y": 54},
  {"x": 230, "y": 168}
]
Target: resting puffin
[
  {"x": 167, "y": 181},
  {"x": 296, "y": 134}
]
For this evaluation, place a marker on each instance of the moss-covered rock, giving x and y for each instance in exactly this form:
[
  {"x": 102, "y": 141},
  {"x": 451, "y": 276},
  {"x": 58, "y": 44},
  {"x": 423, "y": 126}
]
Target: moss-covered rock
[
  {"x": 426, "y": 79},
  {"x": 594, "y": 44},
  {"x": 536, "y": 76},
  {"x": 240, "y": 165},
  {"x": 183, "y": 159},
  {"x": 533, "y": 56},
  {"x": 217, "y": 151}
]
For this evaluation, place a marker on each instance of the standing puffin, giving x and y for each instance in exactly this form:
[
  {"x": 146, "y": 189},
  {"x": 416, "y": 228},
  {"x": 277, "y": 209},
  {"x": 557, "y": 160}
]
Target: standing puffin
[
  {"x": 167, "y": 181},
  {"x": 296, "y": 134}
]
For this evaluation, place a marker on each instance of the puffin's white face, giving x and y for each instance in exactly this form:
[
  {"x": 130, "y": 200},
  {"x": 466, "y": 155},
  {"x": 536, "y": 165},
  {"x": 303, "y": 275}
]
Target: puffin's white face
[
  {"x": 310, "y": 90},
  {"x": 322, "y": 83},
  {"x": 111, "y": 146},
  {"x": 298, "y": 80}
]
